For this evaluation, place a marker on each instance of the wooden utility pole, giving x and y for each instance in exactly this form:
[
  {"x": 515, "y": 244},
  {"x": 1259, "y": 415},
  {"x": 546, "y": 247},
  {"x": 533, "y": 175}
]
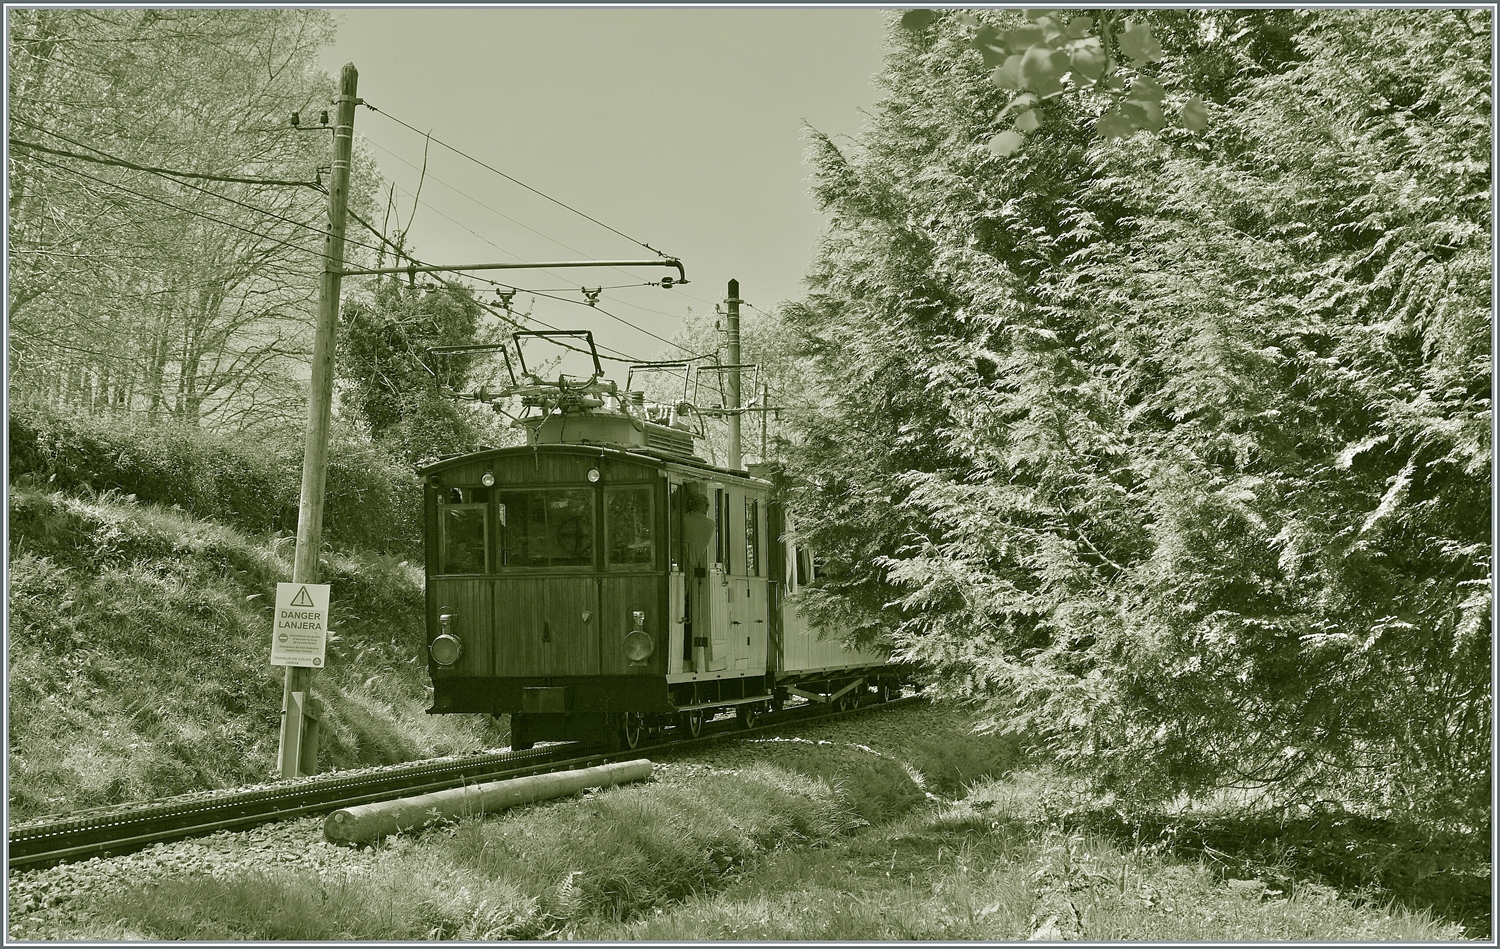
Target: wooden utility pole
[
  {"x": 765, "y": 409},
  {"x": 319, "y": 411},
  {"x": 733, "y": 329}
]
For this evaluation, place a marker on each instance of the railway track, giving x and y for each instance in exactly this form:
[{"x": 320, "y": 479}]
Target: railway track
[{"x": 120, "y": 830}]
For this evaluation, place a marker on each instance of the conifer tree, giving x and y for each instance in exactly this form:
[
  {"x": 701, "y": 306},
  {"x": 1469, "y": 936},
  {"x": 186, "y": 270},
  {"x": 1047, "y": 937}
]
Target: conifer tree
[{"x": 1172, "y": 450}]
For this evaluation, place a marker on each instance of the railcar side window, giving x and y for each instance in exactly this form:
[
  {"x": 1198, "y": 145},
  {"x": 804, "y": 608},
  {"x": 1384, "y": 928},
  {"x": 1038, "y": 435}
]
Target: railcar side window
[
  {"x": 627, "y": 526},
  {"x": 804, "y": 567},
  {"x": 464, "y": 531},
  {"x": 752, "y": 537},
  {"x": 550, "y": 528},
  {"x": 674, "y": 525},
  {"x": 721, "y": 527}
]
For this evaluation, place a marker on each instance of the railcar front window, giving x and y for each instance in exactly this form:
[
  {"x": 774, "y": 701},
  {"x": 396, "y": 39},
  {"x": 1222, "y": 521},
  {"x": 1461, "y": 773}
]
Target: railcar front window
[
  {"x": 553, "y": 528},
  {"x": 464, "y": 539},
  {"x": 627, "y": 526}
]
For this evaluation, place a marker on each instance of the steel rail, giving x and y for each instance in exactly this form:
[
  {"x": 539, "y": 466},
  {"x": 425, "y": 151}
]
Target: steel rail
[{"x": 117, "y": 831}]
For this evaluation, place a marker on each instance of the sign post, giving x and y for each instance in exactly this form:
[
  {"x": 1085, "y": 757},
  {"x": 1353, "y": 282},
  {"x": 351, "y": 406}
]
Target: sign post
[
  {"x": 299, "y": 643},
  {"x": 290, "y": 757},
  {"x": 299, "y": 636}
]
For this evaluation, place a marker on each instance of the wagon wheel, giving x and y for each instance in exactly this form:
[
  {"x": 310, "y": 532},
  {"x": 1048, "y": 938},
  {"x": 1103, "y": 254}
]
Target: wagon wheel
[
  {"x": 632, "y": 727},
  {"x": 693, "y": 722},
  {"x": 573, "y": 535},
  {"x": 749, "y": 715}
]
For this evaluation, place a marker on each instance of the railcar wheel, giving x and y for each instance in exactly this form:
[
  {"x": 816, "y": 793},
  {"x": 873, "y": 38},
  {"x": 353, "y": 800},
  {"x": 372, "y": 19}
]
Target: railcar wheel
[
  {"x": 693, "y": 722},
  {"x": 632, "y": 727},
  {"x": 883, "y": 693},
  {"x": 749, "y": 715},
  {"x": 847, "y": 701}
]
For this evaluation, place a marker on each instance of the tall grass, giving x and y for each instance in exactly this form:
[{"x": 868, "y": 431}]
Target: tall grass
[
  {"x": 996, "y": 867},
  {"x": 139, "y": 656},
  {"x": 784, "y": 848},
  {"x": 535, "y": 872}
]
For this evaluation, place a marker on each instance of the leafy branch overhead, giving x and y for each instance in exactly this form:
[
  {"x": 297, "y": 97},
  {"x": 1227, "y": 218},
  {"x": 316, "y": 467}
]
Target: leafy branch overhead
[{"x": 1045, "y": 58}]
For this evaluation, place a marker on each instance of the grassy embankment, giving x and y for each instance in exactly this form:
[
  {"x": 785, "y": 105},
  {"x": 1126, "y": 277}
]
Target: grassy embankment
[
  {"x": 140, "y": 633},
  {"x": 895, "y": 838},
  {"x": 139, "y": 636}
]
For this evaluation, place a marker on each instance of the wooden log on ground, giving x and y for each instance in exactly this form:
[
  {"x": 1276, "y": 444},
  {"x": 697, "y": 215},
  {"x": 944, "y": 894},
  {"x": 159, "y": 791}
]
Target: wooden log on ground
[{"x": 367, "y": 823}]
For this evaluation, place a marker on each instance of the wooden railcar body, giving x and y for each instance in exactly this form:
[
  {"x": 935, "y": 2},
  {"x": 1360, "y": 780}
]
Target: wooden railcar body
[{"x": 605, "y": 575}]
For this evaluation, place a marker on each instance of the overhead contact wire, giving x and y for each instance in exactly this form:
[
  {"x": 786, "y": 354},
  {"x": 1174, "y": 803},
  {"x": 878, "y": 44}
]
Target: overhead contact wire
[
  {"x": 519, "y": 224},
  {"x": 509, "y": 317},
  {"x": 516, "y": 181},
  {"x": 599, "y": 309}
]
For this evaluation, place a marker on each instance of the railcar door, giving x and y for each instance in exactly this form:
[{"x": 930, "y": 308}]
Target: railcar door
[
  {"x": 547, "y": 594},
  {"x": 754, "y": 626},
  {"x": 719, "y": 590},
  {"x": 776, "y": 587},
  {"x": 696, "y": 556},
  {"x": 629, "y": 591}
]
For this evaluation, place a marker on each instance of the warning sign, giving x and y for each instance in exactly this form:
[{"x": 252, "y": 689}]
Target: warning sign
[{"x": 299, "y": 634}]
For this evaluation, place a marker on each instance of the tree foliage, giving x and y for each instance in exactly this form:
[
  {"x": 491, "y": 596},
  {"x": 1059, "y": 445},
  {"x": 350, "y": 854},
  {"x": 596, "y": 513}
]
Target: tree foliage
[
  {"x": 136, "y": 291},
  {"x": 398, "y": 390},
  {"x": 1042, "y": 57},
  {"x": 1173, "y": 450}
]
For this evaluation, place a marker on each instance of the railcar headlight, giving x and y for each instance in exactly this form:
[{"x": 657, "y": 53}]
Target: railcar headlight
[
  {"x": 487, "y": 479},
  {"x": 639, "y": 645},
  {"x": 446, "y": 649}
]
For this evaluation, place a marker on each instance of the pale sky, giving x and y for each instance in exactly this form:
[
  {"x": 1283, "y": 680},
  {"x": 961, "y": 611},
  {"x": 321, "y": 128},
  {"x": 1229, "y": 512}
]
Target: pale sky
[{"x": 681, "y": 127}]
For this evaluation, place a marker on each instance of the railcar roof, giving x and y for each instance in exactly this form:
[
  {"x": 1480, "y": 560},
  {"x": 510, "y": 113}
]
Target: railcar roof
[{"x": 642, "y": 455}]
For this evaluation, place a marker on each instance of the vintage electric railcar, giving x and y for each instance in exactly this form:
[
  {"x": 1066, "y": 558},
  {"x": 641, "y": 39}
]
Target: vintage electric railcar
[{"x": 605, "y": 583}]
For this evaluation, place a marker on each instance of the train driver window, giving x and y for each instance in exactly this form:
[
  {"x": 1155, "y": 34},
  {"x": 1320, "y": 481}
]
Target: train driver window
[
  {"x": 464, "y": 531},
  {"x": 551, "y": 528},
  {"x": 628, "y": 518}
]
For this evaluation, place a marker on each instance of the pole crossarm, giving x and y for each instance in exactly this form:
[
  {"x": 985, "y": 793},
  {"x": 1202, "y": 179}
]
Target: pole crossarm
[{"x": 547, "y": 265}]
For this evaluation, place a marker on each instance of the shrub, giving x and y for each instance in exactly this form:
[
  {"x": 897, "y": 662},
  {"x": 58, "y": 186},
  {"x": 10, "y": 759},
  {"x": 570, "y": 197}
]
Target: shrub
[{"x": 252, "y": 483}]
